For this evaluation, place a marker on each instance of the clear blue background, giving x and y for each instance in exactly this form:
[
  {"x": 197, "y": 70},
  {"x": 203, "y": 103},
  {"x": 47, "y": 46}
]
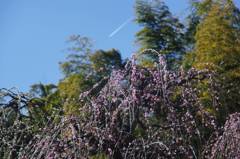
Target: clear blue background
[{"x": 33, "y": 34}]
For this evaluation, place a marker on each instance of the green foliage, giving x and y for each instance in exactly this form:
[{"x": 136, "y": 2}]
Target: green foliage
[
  {"x": 99, "y": 156},
  {"x": 77, "y": 60},
  {"x": 217, "y": 43},
  {"x": 198, "y": 10},
  {"x": 193, "y": 19},
  {"x": 218, "y": 50},
  {"x": 203, "y": 7},
  {"x": 138, "y": 131},
  {"x": 70, "y": 89},
  {"x": 45, "y": 103},
  {"x": 188, "y": 60},
  {"x": 41, "y": 90},
  {"x": 161, "y": 31},
  {"x": 83, "y": 60},
  {"x": 103, "y": 62},
  {"x": 83, "y": 68}
]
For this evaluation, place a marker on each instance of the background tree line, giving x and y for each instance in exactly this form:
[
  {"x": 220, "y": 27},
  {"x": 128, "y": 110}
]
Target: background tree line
[{"x": 210, "y": 40}]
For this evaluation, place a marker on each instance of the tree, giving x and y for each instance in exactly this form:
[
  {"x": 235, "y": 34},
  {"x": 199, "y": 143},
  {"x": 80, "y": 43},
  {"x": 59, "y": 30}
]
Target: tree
[
  {"x": 41, "y": 90},
  {"x": 218, "y": 50},
  {"x": 103, "y": 62},
  {"x": 70, "y": 88},
  {"x": 83, "y": 68},
  {"x": 199, "y": 10},
  {"x": 203, "y": 7},
  {"x": 77, "y": 60},
  {"x": 45, "y": 103},
  {"x": 193, "y": 19},
  {"x": 161, "y": 31},
  {"x": 83, "y": 60}
]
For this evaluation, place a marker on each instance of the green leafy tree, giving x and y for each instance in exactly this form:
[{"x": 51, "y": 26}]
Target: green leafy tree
[
  {"x": 41, "y": 90},
  {"x": 160, "y": 29},
  {"x": 45, "y": 102},
  {"x": 79, "y": 53},
  {"x": 203, "y": 7},
  {"x": 193, "y": 19},
  {"x": 82, "y": 59},
  {"x": 82, "y": 69},
  {"x": 70, "y": 89},
  {"x": 218, "y": 50},
  {"x": 198, "y": 10},
  {"x": 103, "y": 62},
  {"x": 217, "y": 39}
]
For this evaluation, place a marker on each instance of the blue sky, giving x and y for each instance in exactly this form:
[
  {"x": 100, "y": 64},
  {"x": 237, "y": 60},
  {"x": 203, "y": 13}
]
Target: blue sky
[{"x": 33, "y": 34}]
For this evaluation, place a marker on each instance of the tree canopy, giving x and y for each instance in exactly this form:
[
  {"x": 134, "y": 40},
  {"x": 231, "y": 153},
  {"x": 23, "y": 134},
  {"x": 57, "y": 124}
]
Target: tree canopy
[{"x": 160, "y": 29}]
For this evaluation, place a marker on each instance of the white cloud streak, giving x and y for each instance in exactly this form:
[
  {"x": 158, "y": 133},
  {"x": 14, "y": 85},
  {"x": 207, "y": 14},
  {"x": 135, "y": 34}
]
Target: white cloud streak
[{"x": 120, "y": 27}]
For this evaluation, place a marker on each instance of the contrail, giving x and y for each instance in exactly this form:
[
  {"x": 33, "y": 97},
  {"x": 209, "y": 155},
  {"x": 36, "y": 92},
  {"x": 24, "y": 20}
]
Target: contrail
[{"x": 120, "y": 27}]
